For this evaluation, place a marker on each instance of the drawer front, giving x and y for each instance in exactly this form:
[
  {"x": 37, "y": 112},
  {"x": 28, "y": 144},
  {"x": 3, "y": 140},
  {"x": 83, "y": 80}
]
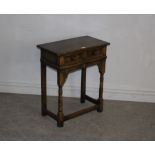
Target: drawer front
[
  {"x": 49, "y": 57},
  {"x": 73, "y": 58},
  {"x": 84, "y": 56},
  {"x": 93, "y": 54}
]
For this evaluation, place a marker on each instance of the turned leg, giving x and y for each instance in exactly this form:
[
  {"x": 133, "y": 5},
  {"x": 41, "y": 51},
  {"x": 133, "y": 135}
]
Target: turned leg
[
  {"x": 43, "y": 89},
  {"x": 60, "y": 115},
  {"x": 83, "y": 84},
  {"x": 101, "y": 67},
  {"x": 100, "y": 106}
]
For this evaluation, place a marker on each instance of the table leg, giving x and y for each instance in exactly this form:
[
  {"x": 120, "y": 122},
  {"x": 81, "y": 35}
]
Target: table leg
[
  {"x": 101, "y": 67},
  {"x": 83, "y": 84},
  {"x": 43, "y": 89},
  {"x": 60, "y": 115}
]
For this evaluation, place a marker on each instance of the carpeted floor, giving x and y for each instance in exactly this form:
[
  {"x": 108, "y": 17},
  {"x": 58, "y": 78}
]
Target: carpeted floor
[{"x": 20, "y": 119}]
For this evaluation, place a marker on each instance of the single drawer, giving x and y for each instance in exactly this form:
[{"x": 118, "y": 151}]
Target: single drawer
[
  {"x": 49, "y": 57},
  {"x": 84, "y": 56},
  {"x": 98, "y": 53}
]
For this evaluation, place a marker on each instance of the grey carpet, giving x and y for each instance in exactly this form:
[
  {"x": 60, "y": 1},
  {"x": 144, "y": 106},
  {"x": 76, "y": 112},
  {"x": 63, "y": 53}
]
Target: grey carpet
[{"x": 20, "y": 119}]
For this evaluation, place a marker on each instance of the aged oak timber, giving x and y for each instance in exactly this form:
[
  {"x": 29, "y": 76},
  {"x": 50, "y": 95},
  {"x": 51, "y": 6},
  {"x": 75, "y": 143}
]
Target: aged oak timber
[{"x": 66, "y": 56}]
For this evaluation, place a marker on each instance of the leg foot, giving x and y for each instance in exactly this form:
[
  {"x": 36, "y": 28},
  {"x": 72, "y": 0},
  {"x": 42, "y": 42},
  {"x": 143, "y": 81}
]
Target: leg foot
[
  {"x": 43, "y": 113},
  {"x": 60, "y": 119},
  {"x": 60, "y": 124},
  {"x": 100, "y": 108},
  {"x": 82, "y": 100}
]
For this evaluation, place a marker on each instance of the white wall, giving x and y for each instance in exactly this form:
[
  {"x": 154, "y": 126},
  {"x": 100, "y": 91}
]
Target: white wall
[{"x": 130, "y": 70}]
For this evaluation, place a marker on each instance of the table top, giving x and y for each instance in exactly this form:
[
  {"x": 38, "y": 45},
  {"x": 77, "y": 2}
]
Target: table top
[{"x": 71, "y": 45}]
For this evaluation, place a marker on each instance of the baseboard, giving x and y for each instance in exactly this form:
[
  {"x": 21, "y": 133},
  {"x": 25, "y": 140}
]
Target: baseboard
[{"x": 74, "y": 91}]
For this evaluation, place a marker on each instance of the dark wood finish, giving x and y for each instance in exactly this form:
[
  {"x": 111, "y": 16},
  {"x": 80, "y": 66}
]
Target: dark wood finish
[
  {"x": 91, "y": 99},
  {"x": 51, "y": 114},
  {"x": 43, "y": 89},
  {"x": 83, "y": 84},
  {"x": 60, "y": 114},
  {"x": 66, "y": 56},
  {"x": 101, "y": 67},
  {"x": 80, "y": 112},
  {"x": 71, "y": 45}
]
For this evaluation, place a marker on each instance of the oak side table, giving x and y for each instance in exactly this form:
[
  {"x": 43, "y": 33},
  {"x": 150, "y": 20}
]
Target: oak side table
[{"x": 66, "y": 56}]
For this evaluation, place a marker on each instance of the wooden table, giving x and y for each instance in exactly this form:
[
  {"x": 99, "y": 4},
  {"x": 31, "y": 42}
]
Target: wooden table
[{"x": 66, "y": 56}]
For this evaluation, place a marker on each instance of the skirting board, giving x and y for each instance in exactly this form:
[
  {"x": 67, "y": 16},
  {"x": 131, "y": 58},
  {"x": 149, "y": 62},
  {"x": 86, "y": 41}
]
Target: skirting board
[{"x": 74, "y": 91}]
